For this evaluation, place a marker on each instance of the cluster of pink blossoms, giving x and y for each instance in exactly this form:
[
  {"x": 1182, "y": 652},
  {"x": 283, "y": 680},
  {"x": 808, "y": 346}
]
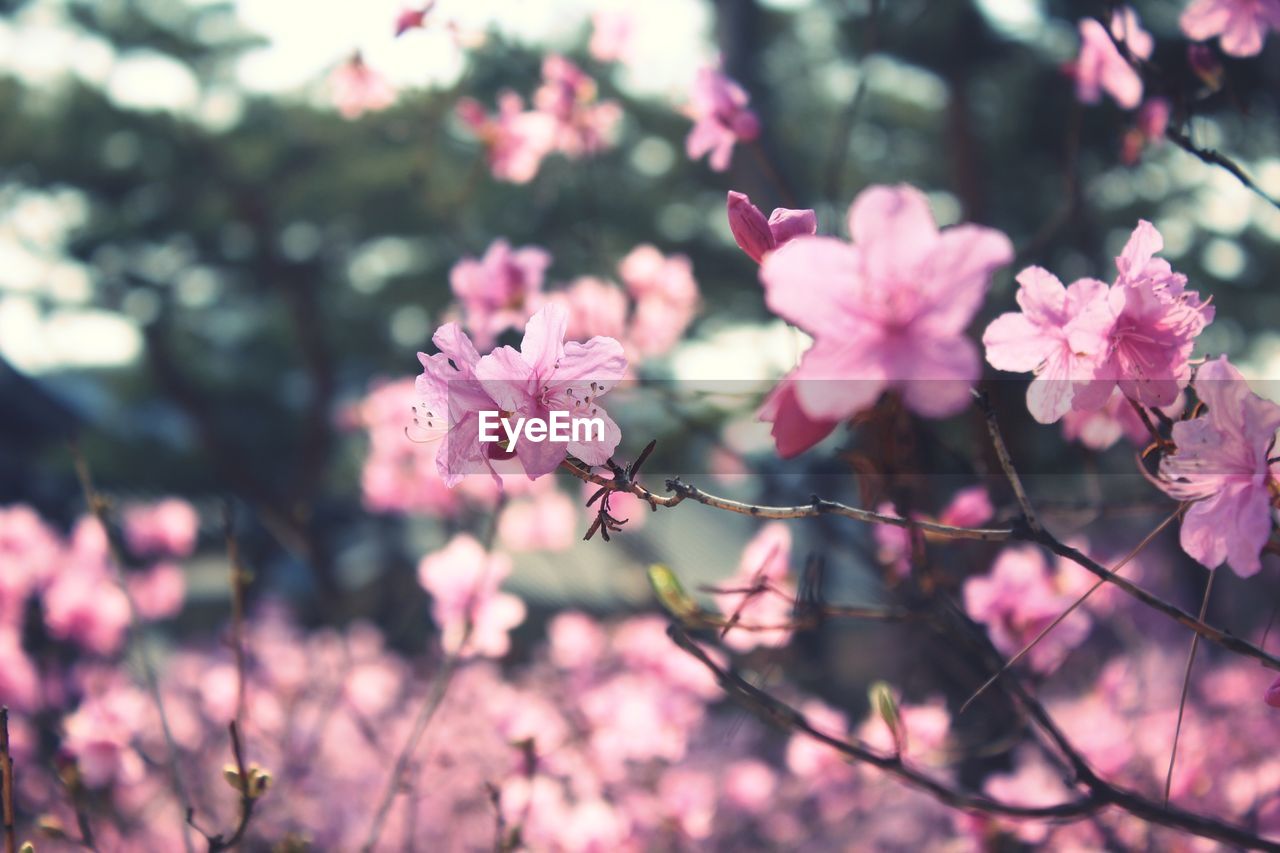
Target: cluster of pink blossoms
[
  {"x": 567, "y": 117},
  {"x": 1085, "y": 340}
]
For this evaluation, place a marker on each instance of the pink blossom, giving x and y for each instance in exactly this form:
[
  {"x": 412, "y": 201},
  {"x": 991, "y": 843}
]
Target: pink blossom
[
  {"x": 749, "y": 784},
  {"x": 718, "y": 108},
  {"x": 888, "y": 312},
  {"x": 358, "y": 89},
  {"x": 29, "y": 550},
  {"x": 82, "y": 602},
  {"x": 1060, "y": 335},
  {"x": 1102, "y": 68},
  {"x": 575, "y": 640},
  {"x": 1241, "y": 25},
  {"x": 1017, "y": 600},
  {"x": 547, "y": 374},
  {"x": 463, "y": 581},
  {"x": 516, "y": 140},
  {"x": 760, "y": 594},
  {"x": 1148, "y": 130},
  {"x": 1157, "y": 321},
  {"x": 793, "y": 430},
  {"x": 411, "y": 18},
  {"x": 596, "y": 307},
  {"x": 612, "y": 36},
  {"x": 812, "y": 759},
  {"x": 1221, "y": 464},
  {"x": 688, "y": 798},
  {"x": 400, "y": 472},
  {"x": 544, "y": 522},
  {"x": 167, "y": 528},
  {"x": 501, "y": 290},
  {"x": 582, "y": 124},
  {"x": 758, "y": 236},
  {"x": 1099, "y": 429},
  {"x": 159, "y": 591},
  {"x": 99, "y": 736},
  {"x": 666, "y": 298},
  {"x": 926, "y": 727},
  {"x": 19, "y": 681},
  {"x": 969, "y": 507},
  {"x": 451, "y": 399}
]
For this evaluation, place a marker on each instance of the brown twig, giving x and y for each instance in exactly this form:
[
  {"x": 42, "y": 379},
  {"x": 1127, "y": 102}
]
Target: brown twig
[
  {"x": 1020, "y": 533},
  {"x": 1075, "y": 604},
  {"x": 98, "y": 507},
  {"x": 6, "y": 784},
  {"x": 1099, "y": 794},
  {"x": 1186, "y": 685},
  {"x": 1006, "y": 461},
  {"x": 238, "y": 582}
]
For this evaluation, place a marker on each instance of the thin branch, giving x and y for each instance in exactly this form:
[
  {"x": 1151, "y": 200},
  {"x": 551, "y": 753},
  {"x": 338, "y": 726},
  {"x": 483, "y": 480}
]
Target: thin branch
[
  {"x": 1075, "y": 604},
  {"x": 1186, "y": 685},
  {"x": 1099, "y": 795},
  {"x": 6, "y": 785},
  {"x": 238, "y": 581},
  {"x": 98, "y": 507},
  {"x": 1217, "y": 158},
  {"x": 1020, "y": 533},
  {"x": 1006, "y": 461}
]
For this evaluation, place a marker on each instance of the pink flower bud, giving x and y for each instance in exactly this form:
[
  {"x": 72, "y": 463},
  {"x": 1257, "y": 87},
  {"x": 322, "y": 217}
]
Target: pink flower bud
[
  {"x": 750, "y": 229},
  {"x": 787, "y": 224},
  {"x": 1205, "y": 63}
]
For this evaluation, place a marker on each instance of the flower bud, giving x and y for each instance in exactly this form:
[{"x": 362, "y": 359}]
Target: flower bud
[
  {"x": 1205, "y": 63},
  {"x": 881, "y": 696},
  {"x": 786, "y": 224},
  {"x": 671, "y": 594},
  {"x": 750, "y": 229}
]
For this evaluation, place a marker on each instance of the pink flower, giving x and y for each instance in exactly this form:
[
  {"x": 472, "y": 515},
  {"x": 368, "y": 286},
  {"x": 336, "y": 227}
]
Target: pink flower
[
  {"x": 401, "y": 475},
  {"x": 29, "y": 551},
  {"x": 99, "y": 736},
  {"x": 1060, "y": 335},
  {"x": 1221, "y": 464},
  {"x": 451, "y": 399},
  {"x": 1017, "y": 600},
  {"x": 1099, "y": 429},
  {"x": 969, "y": 507},
  {"x": 1102, "y": 68},
  {"x": 1157, "y": 321},
  {"x": 666, "y": 298},
  {"x": 888, "y": 312},
  {"x": 164, "y": 529},
  {"x": 412, "y": 19},
  {"x": 749, "y": 784},
  {"x": 158, "y": 592},
  {"x": 718, "y": 107},
  {"x": 1149, "y": 130},
  {"x": 501, "y": 290},
  {"x": 793, "y": 431},
  {"x": 545, "y": 522},
  {"x": 596, "y": 307},
  {"x": 19, "y": 681},
  {"x": 760, "y": 594},
  {"x": 82, "y": 602},
  {"x": 582, "y": 125},
  {"x": 546, "y": 375},
  {"x": 463, "y": 581},
  {"x": 612, "y": 33},
  {"x": 1241, "y": 24},
  {"x": 758, "y": 236},
  {"x": 515, "y": 139},
  {"x": 358, "y": 89}
]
